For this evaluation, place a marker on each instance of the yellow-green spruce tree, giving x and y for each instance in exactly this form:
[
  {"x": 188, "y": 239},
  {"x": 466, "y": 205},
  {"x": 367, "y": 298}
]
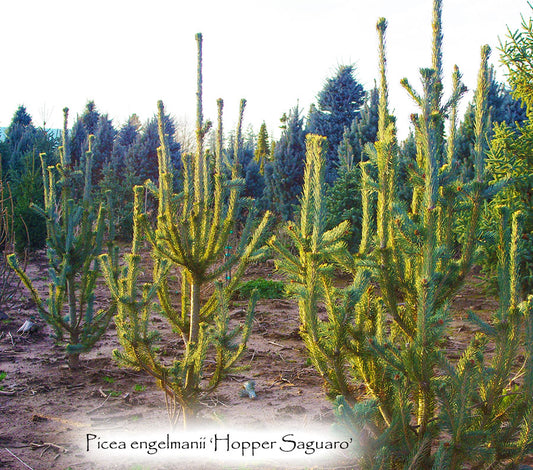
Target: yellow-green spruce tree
[
  {"x": 194, "y": 241},
  {"x": 382, "y": 349}
]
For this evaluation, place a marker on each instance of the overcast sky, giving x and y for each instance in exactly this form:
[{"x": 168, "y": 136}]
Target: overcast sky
[{"x": 127, "y": 54}]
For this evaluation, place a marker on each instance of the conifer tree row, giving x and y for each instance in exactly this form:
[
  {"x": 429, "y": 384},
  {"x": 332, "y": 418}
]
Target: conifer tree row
[
  {"x": 382, "y": 351},
  {"x": 191, "y": 240},
  {"x": 76, "y": 231}
]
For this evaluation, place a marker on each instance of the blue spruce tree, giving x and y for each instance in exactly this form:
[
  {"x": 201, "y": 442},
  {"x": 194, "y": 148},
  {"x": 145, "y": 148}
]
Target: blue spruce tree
[
  {"x": 338, "y": 102},
  {"x": 84, "y": 126},
  {"x": 104, "y": 140},
  {"x": 284, "y": 174},
  {"x": 145, "y": 159}
]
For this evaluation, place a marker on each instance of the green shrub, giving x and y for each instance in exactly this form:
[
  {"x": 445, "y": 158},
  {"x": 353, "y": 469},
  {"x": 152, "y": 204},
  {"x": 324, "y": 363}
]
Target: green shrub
[{"x": 266, "y": 289}]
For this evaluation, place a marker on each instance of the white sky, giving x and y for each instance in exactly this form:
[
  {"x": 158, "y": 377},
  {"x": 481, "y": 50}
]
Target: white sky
[{"x": 127, "y": 54}]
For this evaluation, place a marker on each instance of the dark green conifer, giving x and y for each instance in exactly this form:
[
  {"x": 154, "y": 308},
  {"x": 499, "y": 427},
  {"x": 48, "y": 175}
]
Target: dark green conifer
[{"x": 75, "y": 235}]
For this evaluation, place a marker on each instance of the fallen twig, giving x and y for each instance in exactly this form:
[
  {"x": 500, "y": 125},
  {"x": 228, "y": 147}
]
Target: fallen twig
[
  {"x": 21, "y": 461},
  {"x": 46, "y": 446},
  {"x": 252, "y": 358},
  {"x": 71, "y": 387},
  {"x": 100, "y": 405},
  {"x": 5, "y": 392}
]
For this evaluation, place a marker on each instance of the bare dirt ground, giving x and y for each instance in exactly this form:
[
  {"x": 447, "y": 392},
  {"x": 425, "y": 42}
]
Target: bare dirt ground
[{"x": 47, "y": 410}]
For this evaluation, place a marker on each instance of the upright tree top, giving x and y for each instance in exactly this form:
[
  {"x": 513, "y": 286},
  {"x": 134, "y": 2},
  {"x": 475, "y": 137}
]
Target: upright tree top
[
  {"x": 199, "y": 111},
  {"x": 383, "y": 95},
  {"x": 437, "y": 38}
]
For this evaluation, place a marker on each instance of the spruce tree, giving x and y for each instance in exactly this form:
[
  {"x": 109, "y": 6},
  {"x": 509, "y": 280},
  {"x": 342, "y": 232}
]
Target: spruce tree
[
  {"x": 21, "y": 168},
  {"x": 251, "y": 167},
  {"x": 363, "y": 130},
  {"x": 20, "y": 138},
  {"x": 382, "y": 349},
  {"x": 9, "y": 287},
  {"x": 75, "y": 235},
  {"x": 284, "y": 175},
  {"x": 144, "y": 156},
  {"x": 510, "y": 161},
  {"x": 262, "y": 151},
  {"x": 343, "y": 199},
  {"x": 516, "y": 55},
  {"x": 76, "y": 145},
  {"x": 84, "y": 126},
  {"x": 104, "y": 140},
  {"x": 193, "y": 240},
  {"x": 510, "y": 158},
  {"x": 338, "y": 104},
  {"x": 119, "y": 176},
  {"x": 503, "y": 108},
  {"x": 343, "y": 202}
]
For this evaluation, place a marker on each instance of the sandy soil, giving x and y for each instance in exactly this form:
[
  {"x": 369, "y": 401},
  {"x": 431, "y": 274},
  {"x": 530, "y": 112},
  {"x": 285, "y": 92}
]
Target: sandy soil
[{"x": 48, "y": 410}]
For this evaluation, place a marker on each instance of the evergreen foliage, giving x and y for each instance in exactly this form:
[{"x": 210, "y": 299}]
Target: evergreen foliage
[
  {"x": 75, "y": 234},
  {"x": 254, "y": 181},
  {"x": 262, "y": 288},
  {"x": 77, "y": 140},
  {"x": 363, "y": 130},
  {"x": 510, "y": 157},
  {"x": 84, "y": 126},
  {"x": 262, "y": 151},
  {"x": 308, "y": 263},
  {"x": 519, "y": 61},
  {"x": 115, "y": 189},
  {"x": 193, "y": 241},
  {"x": 20, "y": 167},
  {"x": 343, "y": 199},
  {"x": 382, "y": 349},
  {"x": 126, "y": 138},
  {"x": 20, "y": 140},
  {"x": 510, "y": 160},
  {"x": 284, "y": 175},
  {"x": 30, "y": 227},
  {"x": 104, "y": 140},
  {"x": 9, "y": 287},
  {"x": 119, "y": 176},
  {"x": 407, "y": 155},
  {"x": 343, "y": 202},
  {"x": 503, "y": 108},
  {"x": 145, "y": 159},
  {"x": 338, "y": 104}
]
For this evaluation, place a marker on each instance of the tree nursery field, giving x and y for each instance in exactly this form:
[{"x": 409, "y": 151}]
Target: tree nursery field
[
  {"x": 333, "y": 299},
  {"x": 50, "y": 409}
]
